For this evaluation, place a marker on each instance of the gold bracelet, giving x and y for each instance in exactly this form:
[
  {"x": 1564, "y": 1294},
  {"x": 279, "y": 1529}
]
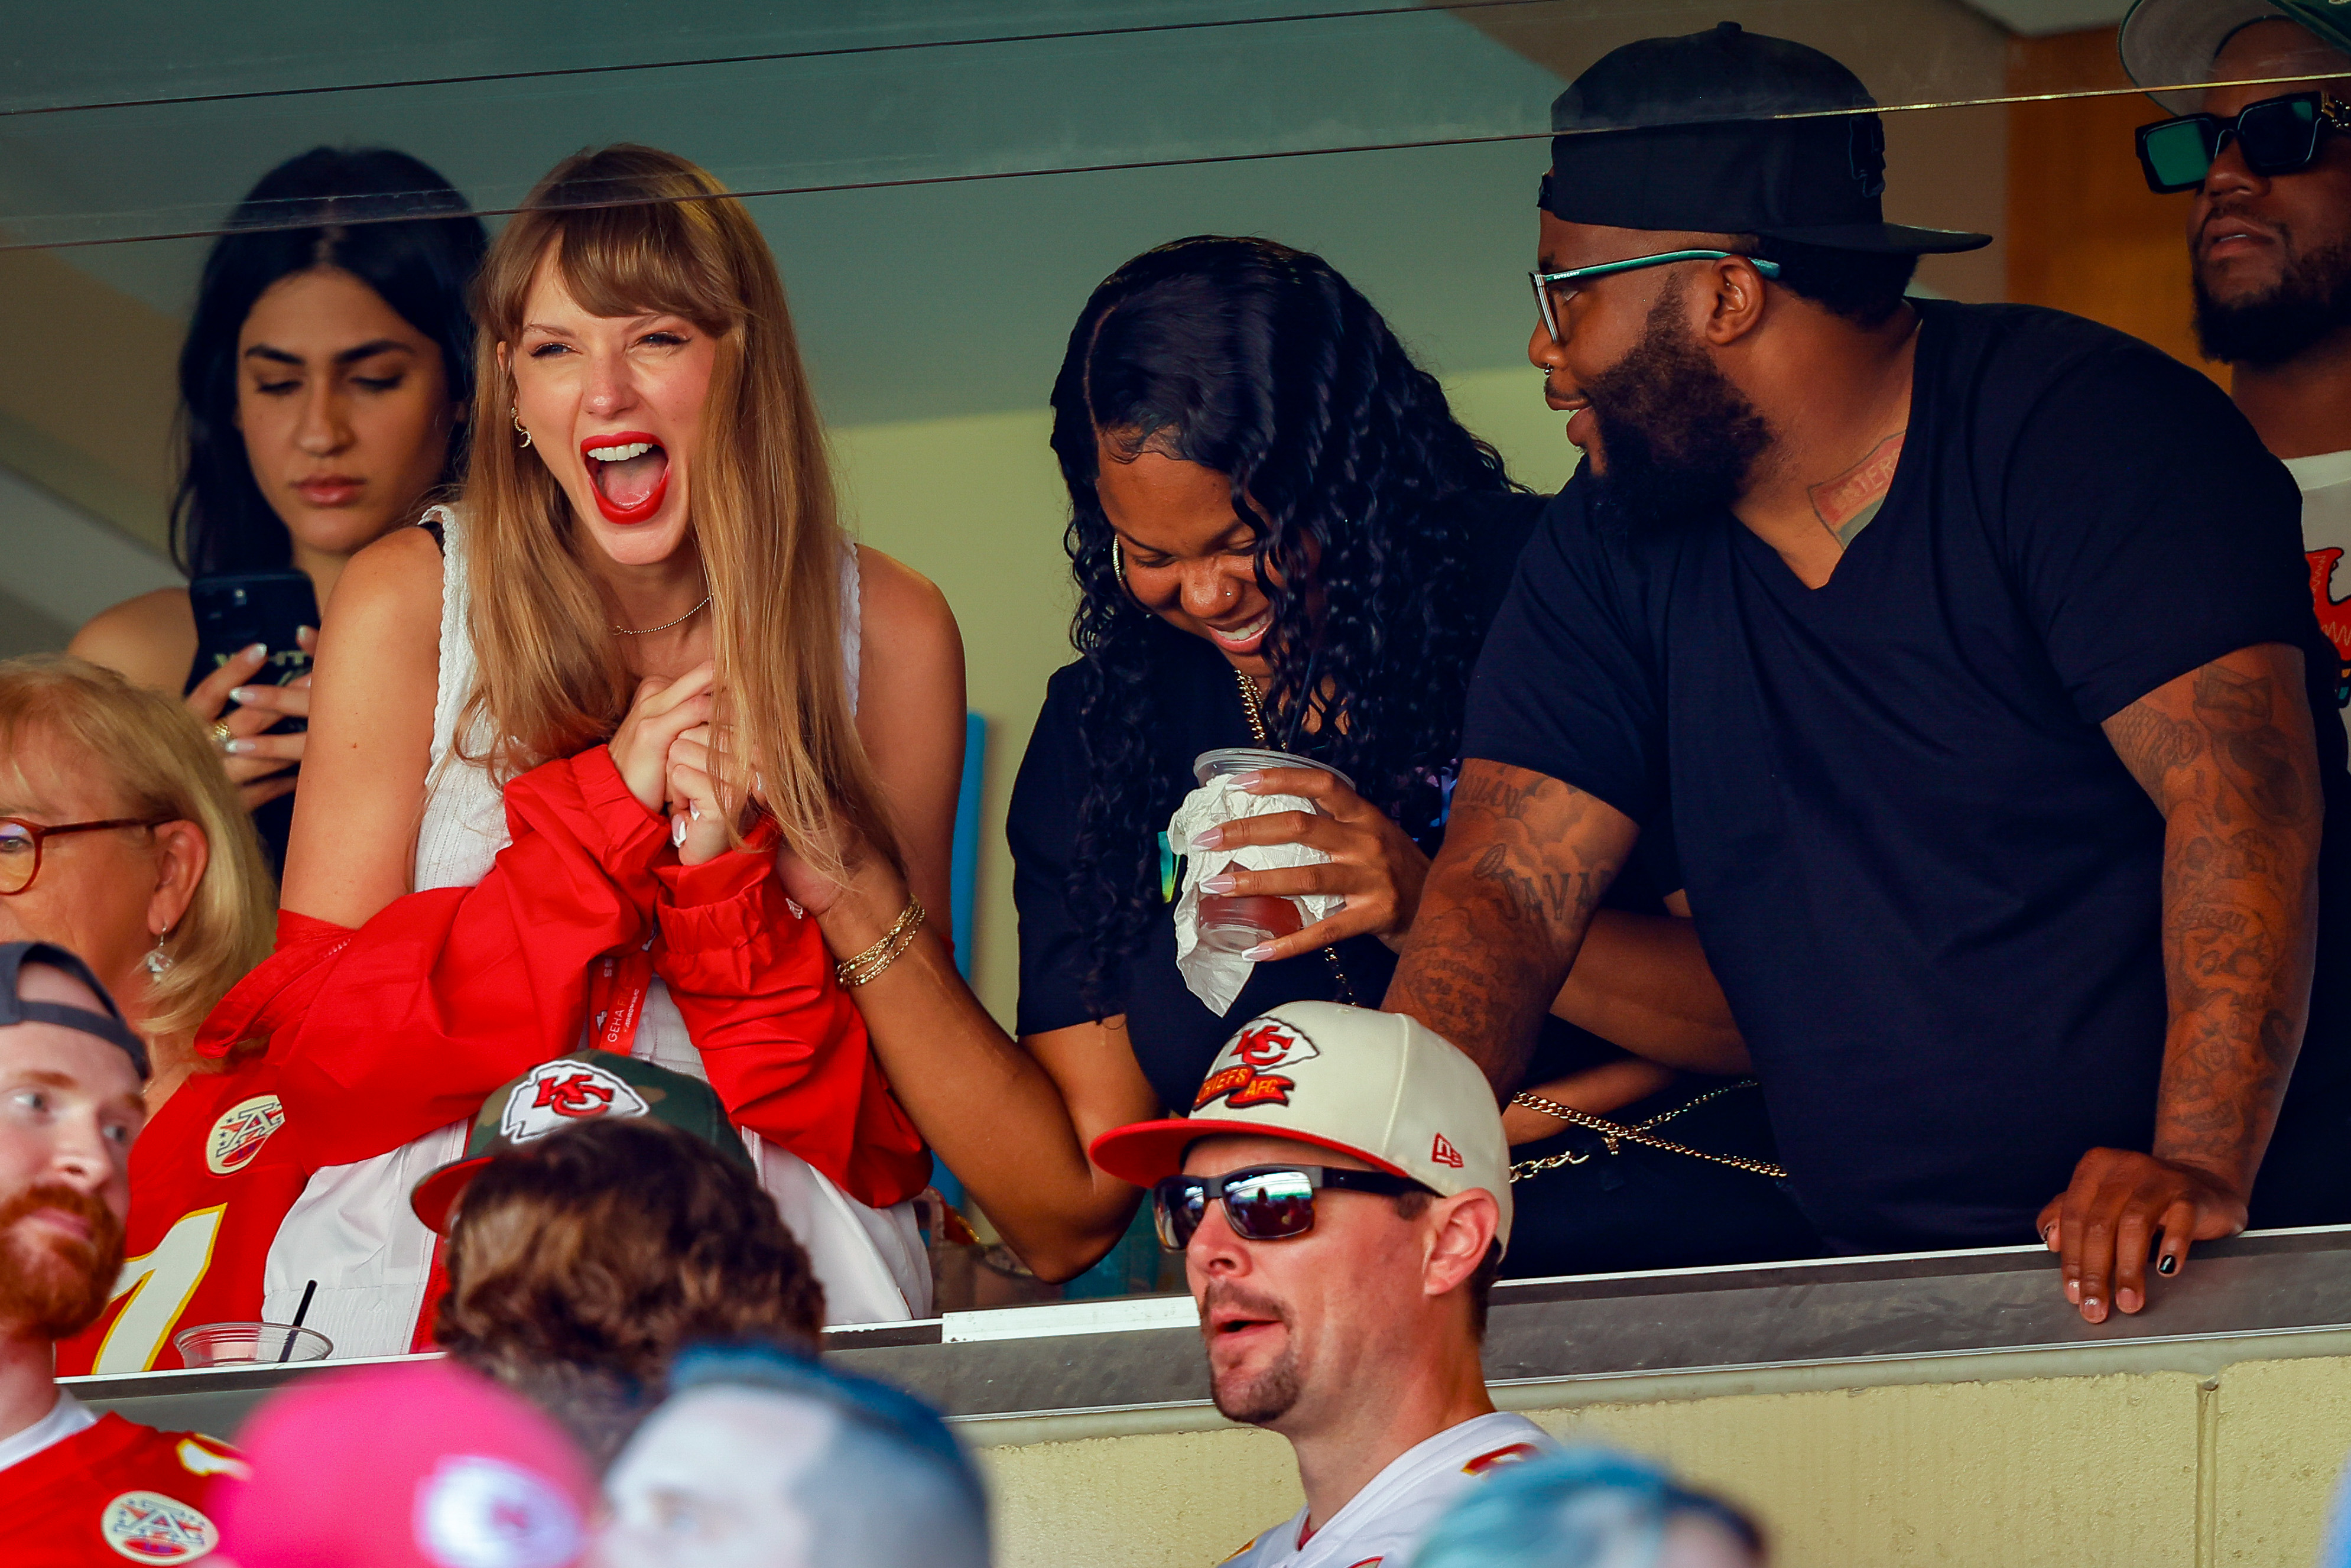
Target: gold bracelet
[{"x": 864, "y": 968}]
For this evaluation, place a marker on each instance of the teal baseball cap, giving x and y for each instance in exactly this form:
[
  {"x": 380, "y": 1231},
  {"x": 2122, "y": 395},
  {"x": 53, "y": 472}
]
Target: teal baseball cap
[{"x": 584, "y": 1086}]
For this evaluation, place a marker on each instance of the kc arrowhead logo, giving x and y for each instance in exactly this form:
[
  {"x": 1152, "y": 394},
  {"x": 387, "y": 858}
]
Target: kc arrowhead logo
[
  {"x": 1247, "y": 1078},
  {"x": 559, "y": 1092},
  {"x": 1444, "y": 1153}
]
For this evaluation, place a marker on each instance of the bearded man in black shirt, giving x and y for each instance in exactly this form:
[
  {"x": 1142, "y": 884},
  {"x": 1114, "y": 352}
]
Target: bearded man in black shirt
[{"x": 1965, "y": 649}]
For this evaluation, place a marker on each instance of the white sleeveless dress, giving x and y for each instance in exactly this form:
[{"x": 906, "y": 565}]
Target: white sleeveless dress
[{"x": 353, "y": 1230}]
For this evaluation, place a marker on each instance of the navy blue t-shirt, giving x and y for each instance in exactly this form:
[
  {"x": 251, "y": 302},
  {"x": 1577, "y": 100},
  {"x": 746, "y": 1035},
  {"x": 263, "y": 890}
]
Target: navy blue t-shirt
[{"x": 1929, "y": 887}]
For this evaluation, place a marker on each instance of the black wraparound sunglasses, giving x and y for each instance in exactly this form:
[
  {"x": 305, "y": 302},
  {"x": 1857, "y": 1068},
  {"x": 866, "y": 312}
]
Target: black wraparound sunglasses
[
  {"x": 2276, "y": 136},
  {"x": 1263, "y": 1203}
]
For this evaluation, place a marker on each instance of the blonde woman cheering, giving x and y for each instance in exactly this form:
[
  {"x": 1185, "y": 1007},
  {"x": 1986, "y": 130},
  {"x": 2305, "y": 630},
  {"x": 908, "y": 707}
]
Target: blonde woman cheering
[{"x": 556, "y": 735}]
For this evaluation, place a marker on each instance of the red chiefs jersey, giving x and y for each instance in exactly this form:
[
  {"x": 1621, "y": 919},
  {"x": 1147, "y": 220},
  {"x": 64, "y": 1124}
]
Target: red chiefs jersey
[
  {"x": 111, "y": 1491},
  {"x": 210, "y": 1180}
]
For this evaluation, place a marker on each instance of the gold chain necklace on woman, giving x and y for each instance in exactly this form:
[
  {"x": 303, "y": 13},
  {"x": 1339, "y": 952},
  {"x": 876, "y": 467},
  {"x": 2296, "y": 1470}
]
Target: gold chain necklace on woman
[
  {"x": 1253, "y": 709},
  {"x": 649, "y": 631}
]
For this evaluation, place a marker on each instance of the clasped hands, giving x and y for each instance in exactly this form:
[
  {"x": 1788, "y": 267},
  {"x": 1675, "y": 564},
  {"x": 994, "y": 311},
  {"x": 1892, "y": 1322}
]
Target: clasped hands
[
  {"x": 2106, "y": 1223},
  {"x": 663, "y": 752},
  {"x": 1375, "y": 866}
]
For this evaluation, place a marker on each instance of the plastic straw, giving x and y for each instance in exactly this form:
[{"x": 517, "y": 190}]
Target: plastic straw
[{"x": 286, "y": 1351}]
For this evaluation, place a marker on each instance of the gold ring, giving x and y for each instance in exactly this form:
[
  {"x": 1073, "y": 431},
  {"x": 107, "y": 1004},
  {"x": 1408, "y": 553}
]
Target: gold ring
[{"x": 222, "y": 735}]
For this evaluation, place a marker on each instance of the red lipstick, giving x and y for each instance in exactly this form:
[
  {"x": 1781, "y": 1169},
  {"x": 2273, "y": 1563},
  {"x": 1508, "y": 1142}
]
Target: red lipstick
[{"x": 637, "y": 500}]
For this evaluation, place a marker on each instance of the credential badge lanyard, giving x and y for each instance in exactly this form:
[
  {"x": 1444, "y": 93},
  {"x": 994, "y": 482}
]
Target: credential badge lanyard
[{"x": 616, "y": 997}]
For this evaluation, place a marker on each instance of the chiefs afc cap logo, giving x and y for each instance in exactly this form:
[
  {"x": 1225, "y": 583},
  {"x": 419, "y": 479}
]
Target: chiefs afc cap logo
[
  {"x": 148, "y": 1527},
  {"x": 1260, "y": 1048},
  {"x": 559, "y": 1092},
  {"x": 236, "y": 1138}
]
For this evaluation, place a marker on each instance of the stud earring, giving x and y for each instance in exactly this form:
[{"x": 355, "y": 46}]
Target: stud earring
[
  {"x": 158, "y": 962},
  {"x": 516, "y": 414}
]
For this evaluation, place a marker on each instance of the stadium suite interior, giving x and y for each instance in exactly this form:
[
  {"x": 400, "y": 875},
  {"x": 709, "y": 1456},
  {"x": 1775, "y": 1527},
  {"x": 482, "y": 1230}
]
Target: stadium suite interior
[
  {"x": 950, "y": 207},
  {"x": 932, "y": 305}
]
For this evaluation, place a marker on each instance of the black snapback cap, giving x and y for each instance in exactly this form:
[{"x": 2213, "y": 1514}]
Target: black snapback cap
[
  {"x": 107, "y": 1026},
  {"x": 1691, "y": 132}
]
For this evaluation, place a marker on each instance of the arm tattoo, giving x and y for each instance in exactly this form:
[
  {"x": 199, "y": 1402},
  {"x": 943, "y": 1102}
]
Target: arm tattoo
[
  {"x": 1525, "y": 862},
  {"x": 2226, "y": 753}
]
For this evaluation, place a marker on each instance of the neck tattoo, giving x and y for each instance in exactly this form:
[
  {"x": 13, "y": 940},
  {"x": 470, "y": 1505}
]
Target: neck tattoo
[{"x": 1847, "y": 504}]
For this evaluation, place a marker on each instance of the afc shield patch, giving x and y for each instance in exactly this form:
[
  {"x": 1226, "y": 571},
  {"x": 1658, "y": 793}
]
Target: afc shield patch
[
  {"x": 237, "y": 1136},
  {"x": 559, "y": 1092},
  {"x": 148, "y": 1527}
]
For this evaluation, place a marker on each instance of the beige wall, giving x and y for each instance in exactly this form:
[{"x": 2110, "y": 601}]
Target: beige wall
[
  {"x": 2154, "y": 1470},
  {"x": 976, "y": 504}
]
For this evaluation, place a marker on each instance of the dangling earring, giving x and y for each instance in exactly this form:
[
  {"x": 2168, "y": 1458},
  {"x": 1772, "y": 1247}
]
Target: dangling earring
[
  {"x": 1118, "y": 564},
  {"x": 158, "y": 963},
  {"x": 516, "y": 414}
]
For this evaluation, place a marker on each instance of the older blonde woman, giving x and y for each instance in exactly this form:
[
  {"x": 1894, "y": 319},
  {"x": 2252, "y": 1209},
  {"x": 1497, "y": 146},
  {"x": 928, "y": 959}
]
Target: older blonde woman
[{"x": 121, "y": 840}]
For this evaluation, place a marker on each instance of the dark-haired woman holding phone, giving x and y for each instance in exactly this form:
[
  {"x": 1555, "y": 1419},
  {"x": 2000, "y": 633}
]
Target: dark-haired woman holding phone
[
  {"x": 1282, "y": 538},
  {"x": 323, "y": 389}
]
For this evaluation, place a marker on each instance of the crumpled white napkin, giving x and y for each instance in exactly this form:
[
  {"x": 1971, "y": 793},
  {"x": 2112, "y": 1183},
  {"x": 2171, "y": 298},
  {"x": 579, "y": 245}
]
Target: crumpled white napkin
[{"x": 1218, "y": 977}]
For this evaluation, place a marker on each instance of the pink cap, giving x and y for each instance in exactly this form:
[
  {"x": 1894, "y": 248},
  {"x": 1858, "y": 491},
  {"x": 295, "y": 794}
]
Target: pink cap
[{"x": 418, "y": 1465}]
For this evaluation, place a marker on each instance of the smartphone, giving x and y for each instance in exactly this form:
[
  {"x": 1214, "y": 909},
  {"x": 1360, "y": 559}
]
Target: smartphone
[{"x": 234, "y": 610}]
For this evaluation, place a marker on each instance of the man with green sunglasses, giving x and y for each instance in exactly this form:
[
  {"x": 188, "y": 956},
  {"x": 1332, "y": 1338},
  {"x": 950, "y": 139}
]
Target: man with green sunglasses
[{"x": 2267, "y": 155}]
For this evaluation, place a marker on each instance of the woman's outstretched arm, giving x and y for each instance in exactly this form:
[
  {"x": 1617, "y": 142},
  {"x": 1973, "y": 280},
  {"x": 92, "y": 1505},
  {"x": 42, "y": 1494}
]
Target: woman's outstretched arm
[{"x": 1012, "y": 1118}]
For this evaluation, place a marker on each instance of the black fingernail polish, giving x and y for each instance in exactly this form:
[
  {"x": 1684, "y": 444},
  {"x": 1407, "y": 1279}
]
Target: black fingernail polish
[{"x": 2169, "y": 1265}]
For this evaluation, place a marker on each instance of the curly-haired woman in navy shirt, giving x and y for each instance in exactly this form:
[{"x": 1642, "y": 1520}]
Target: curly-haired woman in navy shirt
[{"x": 1281, "y": 536}]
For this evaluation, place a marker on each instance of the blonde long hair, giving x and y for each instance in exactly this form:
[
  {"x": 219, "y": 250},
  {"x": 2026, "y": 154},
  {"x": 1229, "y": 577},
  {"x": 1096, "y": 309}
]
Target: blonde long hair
[
  {"x": 632, "y": 230},
  {"x": 149, "y": 749}
]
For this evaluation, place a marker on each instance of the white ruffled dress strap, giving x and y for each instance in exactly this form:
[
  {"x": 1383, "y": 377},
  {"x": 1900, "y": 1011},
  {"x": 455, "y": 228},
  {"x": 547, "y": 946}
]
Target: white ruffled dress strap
[
  {"x": 852, "y": 617},
  {"x": 456, "y": 683}
]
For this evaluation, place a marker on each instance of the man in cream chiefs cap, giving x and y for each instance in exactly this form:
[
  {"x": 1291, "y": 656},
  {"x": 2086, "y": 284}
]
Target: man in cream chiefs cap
[{"x": 1340, "y": 1194}]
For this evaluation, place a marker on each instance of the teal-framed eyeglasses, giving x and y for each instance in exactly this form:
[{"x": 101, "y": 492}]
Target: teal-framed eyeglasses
[{"x": 1555, "y": 289}]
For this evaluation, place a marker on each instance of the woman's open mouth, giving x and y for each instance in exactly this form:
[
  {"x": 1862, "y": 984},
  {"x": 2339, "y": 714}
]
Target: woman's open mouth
[{"x": 630, "y": 470}]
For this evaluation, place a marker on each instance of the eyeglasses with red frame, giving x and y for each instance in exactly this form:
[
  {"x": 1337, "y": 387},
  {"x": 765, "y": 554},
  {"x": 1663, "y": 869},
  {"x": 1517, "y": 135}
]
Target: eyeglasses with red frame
[{"x": 21, "y": 842}]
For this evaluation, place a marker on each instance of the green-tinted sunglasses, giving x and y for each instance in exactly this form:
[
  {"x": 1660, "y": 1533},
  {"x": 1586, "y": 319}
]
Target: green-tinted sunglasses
[{"x": 2277, "y": 136}]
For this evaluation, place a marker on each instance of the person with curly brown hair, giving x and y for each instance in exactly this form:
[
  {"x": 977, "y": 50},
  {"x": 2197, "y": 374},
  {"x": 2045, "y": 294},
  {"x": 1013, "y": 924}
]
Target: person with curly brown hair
[{"x": 583, "y": 1254}]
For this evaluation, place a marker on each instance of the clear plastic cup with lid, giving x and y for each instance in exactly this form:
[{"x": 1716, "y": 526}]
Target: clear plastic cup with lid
[{"x": 1232, "y": 923}]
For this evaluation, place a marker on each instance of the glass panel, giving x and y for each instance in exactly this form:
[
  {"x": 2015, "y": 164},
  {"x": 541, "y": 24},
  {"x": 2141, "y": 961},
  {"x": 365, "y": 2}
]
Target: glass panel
[
  {"x": 944, "y": 181},
  {"x": 120, "y": 121}
]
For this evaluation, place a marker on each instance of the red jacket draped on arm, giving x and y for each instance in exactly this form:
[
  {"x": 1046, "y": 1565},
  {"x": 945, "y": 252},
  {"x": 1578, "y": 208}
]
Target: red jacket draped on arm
[{"x": 407, "y": 1023}]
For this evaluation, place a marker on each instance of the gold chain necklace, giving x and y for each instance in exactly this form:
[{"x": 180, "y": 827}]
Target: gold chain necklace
[
  {"x": 1253, "y": 709},
  {"x": 1613, "y": 1132},
  {"x": 649, "y": 631}
]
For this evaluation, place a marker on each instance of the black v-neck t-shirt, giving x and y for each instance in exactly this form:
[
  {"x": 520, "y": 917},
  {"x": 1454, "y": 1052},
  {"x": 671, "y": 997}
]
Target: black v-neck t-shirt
[
  {"x": 1199, "y": 708},
  {"x": 1930, "y": 889}
]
